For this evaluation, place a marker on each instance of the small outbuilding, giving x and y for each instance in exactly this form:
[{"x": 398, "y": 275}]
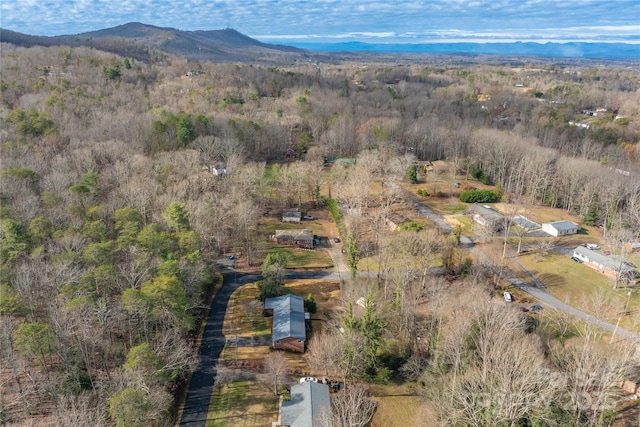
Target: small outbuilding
[
  {"x": 291, "y": 215},
  {"x": 560, "y": 228}
]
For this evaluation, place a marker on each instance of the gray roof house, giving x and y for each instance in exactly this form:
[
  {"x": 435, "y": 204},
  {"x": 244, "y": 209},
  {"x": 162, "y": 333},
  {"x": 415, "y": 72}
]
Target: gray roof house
[
  {"x": 309, "y": 406},
  {"x": 486, "y": 216},
  {"x": 610, "y": 265},
  {"x": 296, "y": 237},
  {"x": 288, "y": 331},
  {"x": 560, "y": 228}
]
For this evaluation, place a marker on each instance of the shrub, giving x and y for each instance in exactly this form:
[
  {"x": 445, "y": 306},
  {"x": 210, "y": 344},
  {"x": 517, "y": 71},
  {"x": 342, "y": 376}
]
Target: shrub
[
  {"x": 334, "y": 209},
  {"x": 479, "y": 196},
  {"x": 410, "y": 226},
  {"x": 477, "y": 172},
  {"x": 310, "y": 304},
  {"x": 465, "y": 268},
  {"x": 412, "y": 174}
]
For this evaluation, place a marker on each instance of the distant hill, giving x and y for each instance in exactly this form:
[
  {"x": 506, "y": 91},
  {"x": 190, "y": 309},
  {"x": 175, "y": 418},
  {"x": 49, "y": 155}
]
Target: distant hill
[
  {"x": 143, "y": 42},
  {"x": 147, "y": 42},
  {"x": 612, "y": 51}
]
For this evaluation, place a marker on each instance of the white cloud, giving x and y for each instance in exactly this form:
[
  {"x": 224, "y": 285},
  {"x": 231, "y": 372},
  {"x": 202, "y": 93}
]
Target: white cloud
[{"x": 408, "y": 20}]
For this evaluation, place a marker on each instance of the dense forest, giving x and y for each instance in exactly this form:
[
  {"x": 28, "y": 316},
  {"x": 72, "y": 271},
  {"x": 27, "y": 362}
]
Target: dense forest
[{"x": 112, "y": 217}]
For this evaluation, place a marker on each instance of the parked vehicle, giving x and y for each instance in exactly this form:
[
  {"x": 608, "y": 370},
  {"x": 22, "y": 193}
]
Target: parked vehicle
[
  {"x": 308, "y": 380},
  {"x": 576, "y": 259},
  {"x": 507, "y": 297},
  {"x": 524, "y": 309},
  {"x": 535, "y": 307},
  {"x": 336, "y": 240},
  {"x": 308, "y": 217},
  {"x": 593, "y": 246}
]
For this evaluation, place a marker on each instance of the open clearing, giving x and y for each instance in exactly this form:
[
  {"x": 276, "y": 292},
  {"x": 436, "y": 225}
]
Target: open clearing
[
  {"x": 404, "y": 410},
  {"x": 400, "y": 406}
]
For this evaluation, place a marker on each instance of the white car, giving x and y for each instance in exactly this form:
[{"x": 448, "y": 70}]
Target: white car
[
  {"x": 308, "y": 380},
  {"x": 593, "y": 246},
  {"x": 507, "y": 297},
  {"x": 307, "y": 217}
]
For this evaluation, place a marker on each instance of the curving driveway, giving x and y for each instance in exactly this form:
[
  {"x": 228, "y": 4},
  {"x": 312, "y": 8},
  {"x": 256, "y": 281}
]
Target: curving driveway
[{"x": 196, "y": 407}]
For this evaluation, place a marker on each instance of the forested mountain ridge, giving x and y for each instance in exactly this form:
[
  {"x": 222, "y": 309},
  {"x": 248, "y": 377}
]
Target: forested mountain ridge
[
  {"x": 111, "y": 217},
  {"x": 146, "y": 42}
]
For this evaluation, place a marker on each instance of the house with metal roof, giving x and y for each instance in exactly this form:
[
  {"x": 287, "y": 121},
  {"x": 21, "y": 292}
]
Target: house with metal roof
[
  {"x": 560, "y": 228},
  {"x": 613, "y": 266},
  {"x": 288, "y": 329},
  {"x": 309, "y": 406}
]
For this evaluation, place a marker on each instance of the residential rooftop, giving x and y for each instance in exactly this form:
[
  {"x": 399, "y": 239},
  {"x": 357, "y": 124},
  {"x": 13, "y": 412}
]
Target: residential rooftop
[
  {"x": 309, "y": 406},
  {"x": 288, "y": 317}
]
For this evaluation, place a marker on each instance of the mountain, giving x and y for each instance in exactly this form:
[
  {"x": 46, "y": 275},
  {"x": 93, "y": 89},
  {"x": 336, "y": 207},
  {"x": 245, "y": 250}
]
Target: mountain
[
  {"x": 147, "y": 42},
  {"x": 612, "y": 51},
  {"x": 144, "y": 42}
]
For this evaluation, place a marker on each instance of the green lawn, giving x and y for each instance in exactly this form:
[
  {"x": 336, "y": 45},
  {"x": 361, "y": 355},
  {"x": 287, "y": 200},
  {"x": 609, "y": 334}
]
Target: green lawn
[
  {"x": 299, "y": 258},
  {"x": 268, "y": 226},
  {"x": 242, "y": 404},
  {"x": 446, "y": 205},
  {"x": 467, "y": 223},
  {"x": 576, "y": 283}
]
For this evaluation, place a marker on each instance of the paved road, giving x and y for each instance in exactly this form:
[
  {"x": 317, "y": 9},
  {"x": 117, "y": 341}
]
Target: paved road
[
  {"x": 550, "y": 300},
  {"x": 539, "y": 291}
]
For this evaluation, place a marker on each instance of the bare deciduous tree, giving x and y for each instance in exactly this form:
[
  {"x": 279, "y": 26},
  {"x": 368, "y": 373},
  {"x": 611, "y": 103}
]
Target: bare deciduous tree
[
  {"x": 503, "y": 377},
  {"x": 321, "y": 352},
  {"x": 591, "y": 376},
  {"x": 352, "y": 406},
  {"x": 277, "y": 366}
]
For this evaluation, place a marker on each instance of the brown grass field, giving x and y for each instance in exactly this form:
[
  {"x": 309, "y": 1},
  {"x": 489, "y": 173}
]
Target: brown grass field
[{"x": 578, "y": 285}]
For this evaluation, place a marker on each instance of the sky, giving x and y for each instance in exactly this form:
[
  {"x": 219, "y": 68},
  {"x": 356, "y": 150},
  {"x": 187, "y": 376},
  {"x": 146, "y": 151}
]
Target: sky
[{"x": 322, "y": 21}]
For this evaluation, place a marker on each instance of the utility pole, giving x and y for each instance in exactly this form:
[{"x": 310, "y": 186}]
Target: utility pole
[{"x": 626, "y": 306}]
